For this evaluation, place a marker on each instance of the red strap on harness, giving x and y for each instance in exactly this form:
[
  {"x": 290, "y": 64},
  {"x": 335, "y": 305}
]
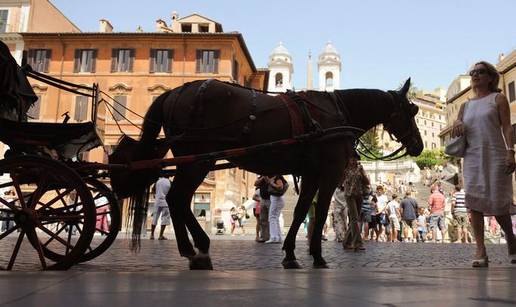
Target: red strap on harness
[{"x": 296, "y": 118}]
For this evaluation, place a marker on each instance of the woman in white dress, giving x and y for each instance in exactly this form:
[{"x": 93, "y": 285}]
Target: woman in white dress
[{"x": 488, "y": 159}]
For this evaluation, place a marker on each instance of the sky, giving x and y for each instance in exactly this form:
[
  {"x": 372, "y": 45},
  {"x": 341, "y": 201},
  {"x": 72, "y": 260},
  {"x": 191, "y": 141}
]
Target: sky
[{"x": 381, "y": 42}]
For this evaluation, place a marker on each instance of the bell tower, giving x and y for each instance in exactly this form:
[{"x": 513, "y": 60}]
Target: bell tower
[
  {"x": 280, "y": 69},
  {"x": 329, "y": 67}
]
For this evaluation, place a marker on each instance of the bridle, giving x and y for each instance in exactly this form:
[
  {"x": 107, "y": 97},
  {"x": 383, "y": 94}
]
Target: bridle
[{"x": 406, "y": 138}]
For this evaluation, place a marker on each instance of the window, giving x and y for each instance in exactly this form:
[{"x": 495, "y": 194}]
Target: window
[
  {"x": 39, "y": 59},
  {"x": 81, "y": 108},
  {"x": 202, "y": 205},
  {"x": 85, "y": 60},
  {"x": 119, "y": 105},
  {"x": 186, "y": 27},
  {"x": 207, "y": 61},
  {"x": 161, "y": 60},
  {"x": 204, "y": 28},
  {"x": 424, "y": 131},
  {"x": 511, "y": 90},
  {"x": 3, "y": 20},
  {"x": 329, "y": 79},
  {"x": 433, "y": 146},
  {"x": 235, "y": 70},
  {"x": 33, "y": 112},
  {"x": 279, "y": 80},
  {"x": 122, "y": 60}
]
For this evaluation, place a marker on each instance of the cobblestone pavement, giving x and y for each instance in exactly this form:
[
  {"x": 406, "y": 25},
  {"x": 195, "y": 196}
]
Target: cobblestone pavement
[{"x": 243, "y": 253}]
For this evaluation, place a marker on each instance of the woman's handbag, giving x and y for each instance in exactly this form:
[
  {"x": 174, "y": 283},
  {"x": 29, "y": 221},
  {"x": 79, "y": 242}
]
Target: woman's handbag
[{"x": 456, "y": 147}]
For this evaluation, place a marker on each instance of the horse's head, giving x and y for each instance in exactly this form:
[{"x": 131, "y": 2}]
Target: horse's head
[
  {"x": 126, "y": 182},
  {"x": 401, "y": 123}
]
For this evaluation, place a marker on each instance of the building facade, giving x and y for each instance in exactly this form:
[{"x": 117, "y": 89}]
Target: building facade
[
  {"x": 18, "y": 16},
  {"x": 134, "y": 68}
]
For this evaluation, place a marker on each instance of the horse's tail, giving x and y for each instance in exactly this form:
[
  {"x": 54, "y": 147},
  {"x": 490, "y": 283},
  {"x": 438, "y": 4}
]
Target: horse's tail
[{"x": 135, "y": 184}]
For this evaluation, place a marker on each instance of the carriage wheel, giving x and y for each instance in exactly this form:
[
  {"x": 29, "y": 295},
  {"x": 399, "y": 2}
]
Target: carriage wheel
[
  {"x": 106, "y": 205},
  {"x": 48, "y": 201},
  {"x": 109, "y": 218}
]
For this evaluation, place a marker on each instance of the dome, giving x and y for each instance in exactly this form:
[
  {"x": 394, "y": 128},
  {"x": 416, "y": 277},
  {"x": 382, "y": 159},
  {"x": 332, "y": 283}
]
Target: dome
[
  {"x": 329, "y": 49},
  {"x": 280, "y": 49},
  {"x": 329, "y": 55}
]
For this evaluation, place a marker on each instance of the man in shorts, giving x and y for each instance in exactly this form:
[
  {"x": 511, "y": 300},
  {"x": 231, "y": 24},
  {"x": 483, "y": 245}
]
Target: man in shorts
[
  {"x": 161, "y": 207},
  {"x": 460, "y": 214},
  {"x": 409, "y": 216},
  {"x": 436, "y": 203}
]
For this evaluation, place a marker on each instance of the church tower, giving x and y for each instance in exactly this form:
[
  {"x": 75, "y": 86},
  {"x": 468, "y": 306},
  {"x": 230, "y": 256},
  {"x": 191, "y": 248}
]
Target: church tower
[
  {"x": 280, "y": 69},
  {"x": 329, "y": 66}
]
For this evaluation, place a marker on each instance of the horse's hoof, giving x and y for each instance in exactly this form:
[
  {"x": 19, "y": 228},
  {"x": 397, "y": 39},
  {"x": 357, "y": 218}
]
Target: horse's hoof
[
  {"x": 200, "y": 262},
  {"x": 291, "y": 264},
  {"x": 320, "y": 264}
]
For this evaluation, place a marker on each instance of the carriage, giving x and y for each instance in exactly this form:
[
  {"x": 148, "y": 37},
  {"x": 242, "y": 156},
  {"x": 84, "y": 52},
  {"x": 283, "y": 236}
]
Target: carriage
[{"x": 60, "y": 203}]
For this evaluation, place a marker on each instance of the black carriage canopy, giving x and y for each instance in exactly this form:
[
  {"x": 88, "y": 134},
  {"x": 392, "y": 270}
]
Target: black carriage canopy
[{"x": 16, "y": 97}]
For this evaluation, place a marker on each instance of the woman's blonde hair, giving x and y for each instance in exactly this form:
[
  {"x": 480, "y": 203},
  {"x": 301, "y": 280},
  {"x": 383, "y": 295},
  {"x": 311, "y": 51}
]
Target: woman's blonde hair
[{"x": 493, "y": 73}]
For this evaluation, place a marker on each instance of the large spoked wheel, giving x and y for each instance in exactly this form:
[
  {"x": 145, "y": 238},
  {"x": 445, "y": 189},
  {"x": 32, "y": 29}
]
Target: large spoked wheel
[
  {"x": 108, "y": 220},
  {"x": 49, "y": 203}
]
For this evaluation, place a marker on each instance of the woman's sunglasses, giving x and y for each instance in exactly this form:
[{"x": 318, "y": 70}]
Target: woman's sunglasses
[{"x": 479, "y": 71}]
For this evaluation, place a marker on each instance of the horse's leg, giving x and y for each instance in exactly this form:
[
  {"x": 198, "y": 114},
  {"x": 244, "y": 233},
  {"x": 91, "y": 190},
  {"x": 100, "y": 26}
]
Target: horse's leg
[
  {"x": 327, "y": 185},
  {"x": 308, "y": 190},
  {"x": 186, "y": 181}
]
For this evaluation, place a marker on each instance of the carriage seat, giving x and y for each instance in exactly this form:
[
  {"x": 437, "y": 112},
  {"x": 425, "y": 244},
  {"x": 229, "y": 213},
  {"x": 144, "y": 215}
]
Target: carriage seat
[{"x": 68, "y": 140}]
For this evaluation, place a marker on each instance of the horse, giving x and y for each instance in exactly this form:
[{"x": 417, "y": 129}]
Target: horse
[{"x": 208, "y": 115}]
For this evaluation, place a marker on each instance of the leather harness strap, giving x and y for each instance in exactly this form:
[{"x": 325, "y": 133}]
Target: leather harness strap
[{"x": 296, "y": 118}]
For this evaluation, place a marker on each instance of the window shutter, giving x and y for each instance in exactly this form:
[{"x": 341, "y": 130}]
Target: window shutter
[
  {"x": 47, "y": 60},
  {"x": 132, "y": 55},
  {"x": 216, "y": 61},
  {"x": 81, "y": 108},
  {"x": 119, "y": 106},
  {"x": 198, "y": 61},
  {"x": 93, "y": 60},
  {"x": 152, "y": 61},
  {"x": 77, "y": 62},
  {"x": 31, "y": 58},
  {"x": 170, "y": 59},
  {"x": 114, "y": 59}
]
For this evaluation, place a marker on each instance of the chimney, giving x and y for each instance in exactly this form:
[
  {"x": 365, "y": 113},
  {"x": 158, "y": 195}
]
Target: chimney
[
  {"x": 105, "y": 26},
  {"x": 161, "y": 26}
]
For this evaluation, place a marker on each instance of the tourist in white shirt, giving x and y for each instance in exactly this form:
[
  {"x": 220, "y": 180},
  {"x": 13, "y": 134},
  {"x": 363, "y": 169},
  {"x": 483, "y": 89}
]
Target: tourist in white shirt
[
  {"x": 393, "y": 208},
  {"x": 383, "y": 219}
]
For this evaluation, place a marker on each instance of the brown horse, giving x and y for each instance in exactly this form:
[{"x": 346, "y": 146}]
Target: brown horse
[{"x": 208, "y": 116}]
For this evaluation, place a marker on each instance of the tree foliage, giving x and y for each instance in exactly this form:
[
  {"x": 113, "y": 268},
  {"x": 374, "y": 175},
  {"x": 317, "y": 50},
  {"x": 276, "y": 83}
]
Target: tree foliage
[{"x": 429, "y": 158}]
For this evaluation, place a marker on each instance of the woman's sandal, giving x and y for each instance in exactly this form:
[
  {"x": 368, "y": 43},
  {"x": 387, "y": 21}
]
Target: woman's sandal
[{"x": 480, "y": 263}]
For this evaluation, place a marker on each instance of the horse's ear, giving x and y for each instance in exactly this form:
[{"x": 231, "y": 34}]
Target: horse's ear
[
  {"x": 404, "y": 90},
  {"x": 413, "y": 110}
]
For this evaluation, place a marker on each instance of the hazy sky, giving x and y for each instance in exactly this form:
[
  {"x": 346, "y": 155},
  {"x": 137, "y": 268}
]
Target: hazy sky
[{"x": 381, "y": 42}]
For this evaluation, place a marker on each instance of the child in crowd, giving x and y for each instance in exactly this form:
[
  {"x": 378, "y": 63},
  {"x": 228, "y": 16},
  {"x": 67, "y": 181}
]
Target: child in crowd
[{"x": 421, "y": 225}]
